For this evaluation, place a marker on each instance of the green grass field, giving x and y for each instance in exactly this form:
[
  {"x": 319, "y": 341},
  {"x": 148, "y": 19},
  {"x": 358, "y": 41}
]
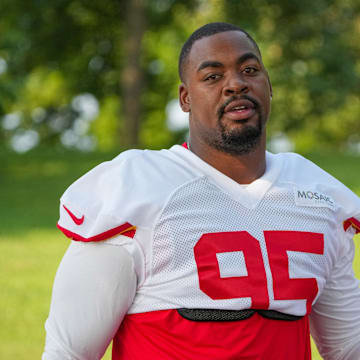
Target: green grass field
[{"x": 31, "y": 247}]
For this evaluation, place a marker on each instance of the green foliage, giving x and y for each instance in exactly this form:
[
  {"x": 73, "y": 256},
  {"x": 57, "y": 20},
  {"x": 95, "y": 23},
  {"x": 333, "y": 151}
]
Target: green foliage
[
  {"x": 57, "y": 50},
  {"x": 106, "y": 128}
]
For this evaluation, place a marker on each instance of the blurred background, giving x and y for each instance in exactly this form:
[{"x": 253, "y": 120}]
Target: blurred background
[{"x": 81, "y": 81}]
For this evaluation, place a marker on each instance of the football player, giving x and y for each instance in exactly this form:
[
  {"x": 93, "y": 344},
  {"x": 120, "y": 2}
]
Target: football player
[{"x": 216, "y": 249}]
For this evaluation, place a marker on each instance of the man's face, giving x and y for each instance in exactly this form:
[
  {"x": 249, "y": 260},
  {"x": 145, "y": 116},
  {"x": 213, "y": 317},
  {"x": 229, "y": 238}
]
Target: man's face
[{"x": 227, "y": 93}]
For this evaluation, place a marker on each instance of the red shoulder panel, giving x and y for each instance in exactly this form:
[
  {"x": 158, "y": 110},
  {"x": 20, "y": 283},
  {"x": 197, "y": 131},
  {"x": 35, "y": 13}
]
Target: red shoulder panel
[{"x": 352, "y": 222}]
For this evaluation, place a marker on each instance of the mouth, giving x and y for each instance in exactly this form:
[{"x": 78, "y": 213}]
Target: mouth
[{"x": 238, "y": 109}]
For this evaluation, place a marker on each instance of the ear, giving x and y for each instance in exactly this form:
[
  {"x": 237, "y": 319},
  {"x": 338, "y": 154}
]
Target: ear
[{"x": 184, "y": 98}]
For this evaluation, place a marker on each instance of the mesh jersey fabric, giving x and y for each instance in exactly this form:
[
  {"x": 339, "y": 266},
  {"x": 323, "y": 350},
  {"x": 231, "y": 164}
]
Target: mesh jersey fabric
[{"x": 272, "y": 244}]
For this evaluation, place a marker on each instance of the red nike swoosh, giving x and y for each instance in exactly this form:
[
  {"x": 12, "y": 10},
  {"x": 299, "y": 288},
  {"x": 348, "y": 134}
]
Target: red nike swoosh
[{"x": 77, "y": 221}]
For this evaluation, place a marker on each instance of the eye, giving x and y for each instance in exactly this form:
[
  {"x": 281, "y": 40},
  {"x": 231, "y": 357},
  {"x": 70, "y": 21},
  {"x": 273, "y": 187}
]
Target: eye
[
  {"x": 250, "y": 70},
  {"x": 212, "y": 77}
]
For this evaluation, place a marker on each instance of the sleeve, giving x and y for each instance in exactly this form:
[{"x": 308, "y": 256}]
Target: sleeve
[
  {"x": 94, "y": 286},
  {"x": 100, "y": 204},
  {"x": 335, "y": 317}
]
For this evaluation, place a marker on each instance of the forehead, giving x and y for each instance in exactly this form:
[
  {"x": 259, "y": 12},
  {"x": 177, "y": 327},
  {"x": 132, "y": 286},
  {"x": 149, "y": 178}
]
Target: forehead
[{"x": 223, "y": 47}]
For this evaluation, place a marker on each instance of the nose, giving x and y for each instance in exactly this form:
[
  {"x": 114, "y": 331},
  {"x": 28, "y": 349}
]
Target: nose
[{"x": 236, "y": 85}]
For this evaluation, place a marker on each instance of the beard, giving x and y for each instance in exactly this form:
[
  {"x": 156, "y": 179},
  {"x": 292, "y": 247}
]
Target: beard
[{"x": 238, "y": 141}]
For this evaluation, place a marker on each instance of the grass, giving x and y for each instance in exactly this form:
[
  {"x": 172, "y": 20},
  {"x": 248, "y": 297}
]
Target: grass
[{"x": 31, "y": 248}]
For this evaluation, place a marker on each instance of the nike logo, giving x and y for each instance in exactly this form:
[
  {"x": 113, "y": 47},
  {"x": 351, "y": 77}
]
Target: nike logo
[{"x": 77, "y": 221}]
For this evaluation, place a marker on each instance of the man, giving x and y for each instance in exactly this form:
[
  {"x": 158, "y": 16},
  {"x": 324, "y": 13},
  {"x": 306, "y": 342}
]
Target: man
[{"x": 212, "y": 250}]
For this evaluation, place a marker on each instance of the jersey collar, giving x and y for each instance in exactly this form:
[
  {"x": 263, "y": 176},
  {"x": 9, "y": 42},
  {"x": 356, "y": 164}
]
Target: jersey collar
[{"x": 248, "y": 195}]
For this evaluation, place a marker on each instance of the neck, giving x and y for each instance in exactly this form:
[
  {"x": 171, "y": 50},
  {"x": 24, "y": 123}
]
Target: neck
[{"x": 243, "y": 169}]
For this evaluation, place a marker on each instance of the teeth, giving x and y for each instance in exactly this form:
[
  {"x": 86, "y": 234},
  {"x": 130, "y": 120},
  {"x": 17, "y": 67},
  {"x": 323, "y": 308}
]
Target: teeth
[{"x": 239, "y": 107}]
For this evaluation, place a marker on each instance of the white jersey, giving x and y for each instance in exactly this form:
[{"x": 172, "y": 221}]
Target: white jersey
[{"x": 200, "y": 241}]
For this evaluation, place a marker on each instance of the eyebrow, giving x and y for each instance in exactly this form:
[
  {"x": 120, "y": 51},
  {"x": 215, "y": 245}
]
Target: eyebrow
[
  {"x": 213, "y": 64},
  {"x": 247, "y": 56},
  {"x": 217, "y": 64}
]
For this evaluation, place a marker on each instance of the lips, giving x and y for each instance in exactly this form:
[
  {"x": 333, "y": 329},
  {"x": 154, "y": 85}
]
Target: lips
[
  {"x": 239, "y": 105},
  {"x": 241, "y": 109}
]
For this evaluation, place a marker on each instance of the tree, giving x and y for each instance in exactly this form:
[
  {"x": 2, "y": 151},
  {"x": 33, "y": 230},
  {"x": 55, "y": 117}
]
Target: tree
[
  {"x": 124, "y": 54},
  {"x": 132, "y": 73}
]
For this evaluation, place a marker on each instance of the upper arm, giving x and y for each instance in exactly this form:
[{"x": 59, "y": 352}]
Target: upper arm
[
  {"x": 93, "y": 289},
  {"x": 335, "y": 317}
]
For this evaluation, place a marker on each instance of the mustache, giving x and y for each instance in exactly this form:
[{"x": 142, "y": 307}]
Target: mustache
[{"x": 221, "y": 109}]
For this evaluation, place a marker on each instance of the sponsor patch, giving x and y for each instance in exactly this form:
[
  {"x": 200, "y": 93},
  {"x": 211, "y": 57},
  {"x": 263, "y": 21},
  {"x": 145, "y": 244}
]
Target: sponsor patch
[{"x": 308, "y": 197}]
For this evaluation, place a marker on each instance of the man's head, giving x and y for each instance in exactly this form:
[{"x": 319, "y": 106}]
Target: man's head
[
  {"x": 225, "y": 88},
  {"x": 204, "y": 31}
]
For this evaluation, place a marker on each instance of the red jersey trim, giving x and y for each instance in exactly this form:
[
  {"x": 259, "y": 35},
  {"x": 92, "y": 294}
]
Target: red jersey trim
[
  {"x": 125, "y": 229},
  {"x": 165, "y": 335},
  {"x": 354, "y": 223},
  {"x": 185, "y": 145}
]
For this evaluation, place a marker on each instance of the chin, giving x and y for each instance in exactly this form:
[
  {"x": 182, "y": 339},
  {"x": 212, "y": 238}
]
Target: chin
[{"x": 240, "y": 141}]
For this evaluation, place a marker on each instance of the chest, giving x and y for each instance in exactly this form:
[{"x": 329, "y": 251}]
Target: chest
[{"x": 211, "y": 251}]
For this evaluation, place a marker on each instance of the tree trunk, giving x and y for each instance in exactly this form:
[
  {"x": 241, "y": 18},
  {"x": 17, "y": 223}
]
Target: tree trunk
[{"x": 132, "y": 75}]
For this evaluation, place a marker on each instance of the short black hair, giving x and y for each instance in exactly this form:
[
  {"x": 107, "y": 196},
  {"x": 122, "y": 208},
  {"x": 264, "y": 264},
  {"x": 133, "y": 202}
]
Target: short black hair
[{"x": 204, "y": 31}]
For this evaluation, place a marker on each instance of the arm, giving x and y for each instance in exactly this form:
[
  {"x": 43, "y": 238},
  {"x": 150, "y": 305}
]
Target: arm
[
  {"x": 93, "y": 289},
  {"x": 335, "y": 318}
]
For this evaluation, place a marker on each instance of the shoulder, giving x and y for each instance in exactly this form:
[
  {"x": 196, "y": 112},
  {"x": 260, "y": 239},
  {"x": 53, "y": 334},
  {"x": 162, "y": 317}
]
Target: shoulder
[
  {"x": 298, "y": 169},
  {"x": 120, "y": 194},
  {"x": 313, "y": 181},
  {"x": 302, "y": 170}
]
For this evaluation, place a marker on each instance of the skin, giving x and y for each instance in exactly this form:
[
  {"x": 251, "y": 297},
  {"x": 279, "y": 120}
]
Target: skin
[{"x": 219, "y": 69}]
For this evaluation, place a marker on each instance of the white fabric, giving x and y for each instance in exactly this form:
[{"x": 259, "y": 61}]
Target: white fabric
[
  {"x": 94, "y": 286},
  {"x": 174, "y": 198},
  {"x": 335, "y": 318}
]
